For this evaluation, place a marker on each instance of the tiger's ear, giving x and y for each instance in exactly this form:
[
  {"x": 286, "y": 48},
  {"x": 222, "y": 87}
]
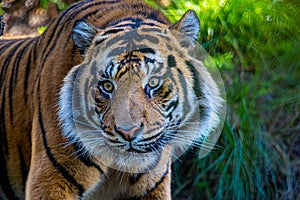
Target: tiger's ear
[
  {"x": 189, "y": 24},
  {"x": 83, "y": 35}
]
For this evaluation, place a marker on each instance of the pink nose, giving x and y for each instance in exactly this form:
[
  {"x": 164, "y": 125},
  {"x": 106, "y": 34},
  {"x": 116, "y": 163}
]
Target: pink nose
[{"x": 127, "y": 134}]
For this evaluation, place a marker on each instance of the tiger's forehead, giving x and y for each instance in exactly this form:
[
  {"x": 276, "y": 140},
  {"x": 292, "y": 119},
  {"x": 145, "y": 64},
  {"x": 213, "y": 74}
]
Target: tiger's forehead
[
  {"x": 137, "y": 63},
  {"x": 146, "y": 40},
  {"x": 141, "y": 52}
]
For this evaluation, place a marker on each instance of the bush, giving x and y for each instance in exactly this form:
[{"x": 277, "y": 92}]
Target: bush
[{"x": 256, "y": 47}]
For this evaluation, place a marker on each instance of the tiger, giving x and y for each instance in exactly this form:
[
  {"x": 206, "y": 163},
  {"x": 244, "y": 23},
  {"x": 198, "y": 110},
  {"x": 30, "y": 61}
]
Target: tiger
[
  {"x": 96, "y": 106},
  {"x": 2, "y": 24}
]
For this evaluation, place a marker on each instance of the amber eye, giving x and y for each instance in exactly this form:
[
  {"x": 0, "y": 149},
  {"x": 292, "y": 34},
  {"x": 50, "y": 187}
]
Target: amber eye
[
  {"x": 108, "y": 86},
  {"x": 153, "y": 82}
]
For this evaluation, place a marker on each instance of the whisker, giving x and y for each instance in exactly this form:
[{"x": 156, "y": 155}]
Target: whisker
[
  {"x": 195, "y": 143},
  {"x": 89, "y": 131},
  {"x": 201, "y": 146},
  {"x": 84, "y": 123}
]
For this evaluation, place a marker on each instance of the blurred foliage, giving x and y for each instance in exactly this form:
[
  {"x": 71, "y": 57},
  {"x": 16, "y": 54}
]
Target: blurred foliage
[
  {"x": 61, "y": 5},
  {"x": 256, "y": 46},
  {"x": 1, "y": 11},
  {"x": 41, "y": 29}
]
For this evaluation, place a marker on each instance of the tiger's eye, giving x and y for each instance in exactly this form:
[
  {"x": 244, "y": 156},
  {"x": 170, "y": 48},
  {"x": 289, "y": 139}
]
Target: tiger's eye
[
  {"x": 108, "y": 86},
  {"x": 153, "y": 82}
]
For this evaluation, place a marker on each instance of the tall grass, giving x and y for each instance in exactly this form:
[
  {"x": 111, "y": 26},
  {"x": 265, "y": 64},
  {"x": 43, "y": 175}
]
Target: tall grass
[{"x": 256, "y": 46}]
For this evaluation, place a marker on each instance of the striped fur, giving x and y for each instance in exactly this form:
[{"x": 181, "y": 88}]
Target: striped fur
[
  {"x": 63, "y": 136},
  {"x": 2, "y": 24}
]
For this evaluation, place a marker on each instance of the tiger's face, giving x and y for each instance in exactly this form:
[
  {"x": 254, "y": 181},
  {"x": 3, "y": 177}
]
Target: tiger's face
[{"x": 137, "y": 97}]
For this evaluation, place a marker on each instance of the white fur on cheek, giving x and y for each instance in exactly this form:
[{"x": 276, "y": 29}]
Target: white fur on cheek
[
  {"x": 90, "y": 136},
  {"x": 65, "y": 106}
]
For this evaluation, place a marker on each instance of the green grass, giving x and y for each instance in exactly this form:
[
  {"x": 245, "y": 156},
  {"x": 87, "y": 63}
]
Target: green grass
[
  {"x": 256, "y": 46},
  {"x": 61, "y": 5},
  {"x": 1, "y": 11}
]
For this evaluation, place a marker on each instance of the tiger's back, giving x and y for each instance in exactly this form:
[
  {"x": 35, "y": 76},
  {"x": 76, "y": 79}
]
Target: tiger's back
[{"x": 35, "y": 153}]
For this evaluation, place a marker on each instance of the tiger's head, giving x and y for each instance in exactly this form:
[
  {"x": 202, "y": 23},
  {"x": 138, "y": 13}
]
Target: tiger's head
[{"x": 139, "y": 95}]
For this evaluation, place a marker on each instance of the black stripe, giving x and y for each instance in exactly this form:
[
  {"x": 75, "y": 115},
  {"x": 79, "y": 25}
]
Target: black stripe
[
  {"x": 7, "y": 61},
  {"x": 74, "y": 10},
  {"x": 129, "y": 19},
  {"x": 173, "y": 105},
  {"x": 27, "y": 71},
  {"x": 53, "y": 160},
  {"x": 152, "y": 189},
  {"x": 110, "y": 133},
  {"x": 162, "y": 141},
  {"x": 135, "y": 178},
  {"x": 83, "y": 156},
  {"x": 121, "y": 73},
  {"x": 160, "y": 181},
  {"x": 152, "y": 15},
  {"x": 94, "y": 14},
  {"x": 148, "y": 60},
  {"x": 6, "y": 45},
  {"x": 109, "y": 72},
  {"x": 196, "y": 80},
  {"x": 58, "y": 23},
  {"x": 33, "y": 59},
  {"x": 23, "y": 167},
  {"x": 3, "y": 133},
  {"x": 167, "y": 94},
  {"x": 171, "y": 61},
  {"x": 137, "y": 21},
  {"x": 152, "y": 137},
  {"x": 183, "y": 83},
  {"x": 146, "y": 194},
  {"x": 196, "y": 85},
  {"x": 106, "y": 10},
  {"x": 146, "y": 50},
  {"x": 169, "y": 75},
  {"x": 18, "y": 58},
  {"x": 112, "y": 31},
  {"x": 116, "y": 142},
  {"x": 4, "y": 181},
  {"x": 14, "y": 75}
]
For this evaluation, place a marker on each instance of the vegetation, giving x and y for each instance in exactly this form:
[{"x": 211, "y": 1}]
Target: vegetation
[
  {"x": 256, "y": 46},
  {"x": 61, "y": 4},
  {"x": 1, "y": 11}
]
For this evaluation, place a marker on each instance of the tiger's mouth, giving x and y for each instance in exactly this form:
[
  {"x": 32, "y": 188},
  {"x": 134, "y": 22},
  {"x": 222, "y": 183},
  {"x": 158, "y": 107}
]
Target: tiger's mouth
[
  {"x": 133, "y": 150},
  {"x": 154, "y": 144}
]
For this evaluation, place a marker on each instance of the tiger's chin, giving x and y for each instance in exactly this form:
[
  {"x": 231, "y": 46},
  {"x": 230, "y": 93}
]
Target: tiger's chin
[{"x": 131, "y": 161}]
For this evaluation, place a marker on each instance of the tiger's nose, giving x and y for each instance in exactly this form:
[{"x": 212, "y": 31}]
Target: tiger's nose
[{"x": 129, "y": 133}]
